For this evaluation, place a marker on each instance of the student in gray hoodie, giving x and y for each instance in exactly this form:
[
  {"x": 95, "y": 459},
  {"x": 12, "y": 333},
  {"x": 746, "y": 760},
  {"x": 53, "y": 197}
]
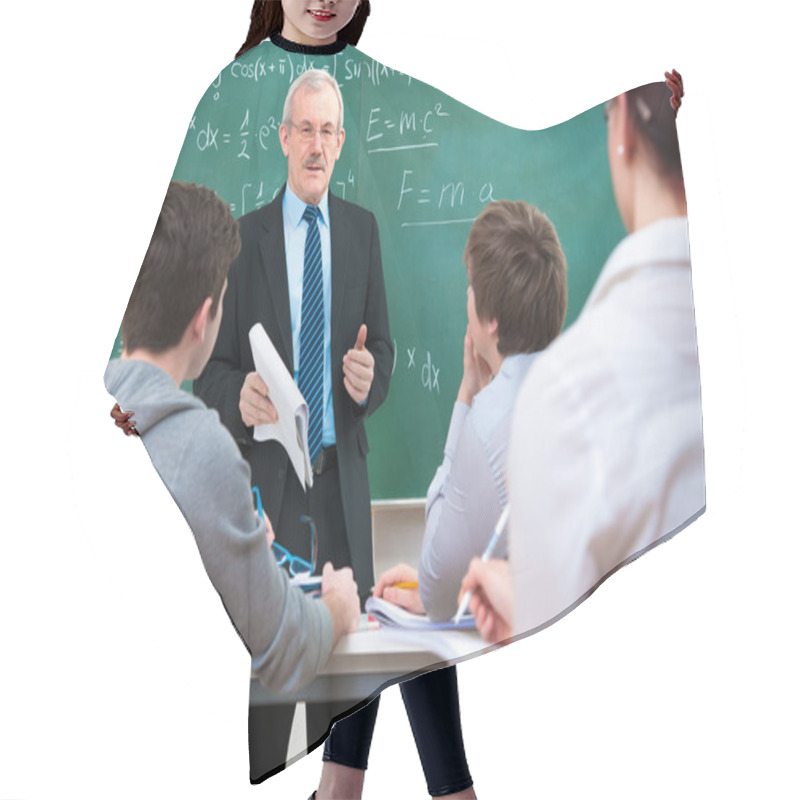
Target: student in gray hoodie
[{"x": 168, "y": 333}]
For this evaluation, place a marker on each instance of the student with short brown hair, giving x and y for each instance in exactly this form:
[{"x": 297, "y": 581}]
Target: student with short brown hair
[
  {"x": 194, "y": 243},
  {"x": 518, "y": 275},
  {"x": 169, "y": 330},
  {"x": 516, "y": 304}
]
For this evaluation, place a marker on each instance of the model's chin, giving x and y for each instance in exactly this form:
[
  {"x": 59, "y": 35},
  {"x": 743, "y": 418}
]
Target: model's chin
[
  {"x": 316, "y": 184},
  {"x": 313, "y": 192},
  {"x": 321, "y": 27}
]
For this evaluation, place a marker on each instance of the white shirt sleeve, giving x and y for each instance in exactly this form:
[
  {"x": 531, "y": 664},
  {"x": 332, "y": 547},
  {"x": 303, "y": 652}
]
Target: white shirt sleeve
[
  {"x": 555, "y": 498},
  {"x": 462, "y": 507}
]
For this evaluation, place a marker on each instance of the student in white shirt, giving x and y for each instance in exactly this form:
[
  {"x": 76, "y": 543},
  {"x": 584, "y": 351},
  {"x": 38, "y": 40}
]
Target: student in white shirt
[{"x": 606, "y": 458}]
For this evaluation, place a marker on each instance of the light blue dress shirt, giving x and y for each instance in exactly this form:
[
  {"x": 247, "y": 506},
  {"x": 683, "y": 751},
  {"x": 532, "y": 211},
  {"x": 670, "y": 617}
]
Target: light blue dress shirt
[{"x": 294, "y": 235}]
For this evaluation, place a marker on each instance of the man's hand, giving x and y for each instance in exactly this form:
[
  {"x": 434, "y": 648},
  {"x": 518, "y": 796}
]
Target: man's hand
[
  {"x": 254, "y": 404},
  {"x": 492, "y": 600},
  {"x": 359, "y": 368},
  {"x": 124, "y": 420},
  {"x": 407, "y": 598},
  {"x": 477, "y": 373},
  {"x": 340, "y": 594}
]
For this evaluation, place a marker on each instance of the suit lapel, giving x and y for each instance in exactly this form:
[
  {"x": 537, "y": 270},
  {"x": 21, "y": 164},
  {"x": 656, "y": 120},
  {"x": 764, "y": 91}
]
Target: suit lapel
[
  {"x": 272, "y": 248},
  {"x": 340, "y": 238}
]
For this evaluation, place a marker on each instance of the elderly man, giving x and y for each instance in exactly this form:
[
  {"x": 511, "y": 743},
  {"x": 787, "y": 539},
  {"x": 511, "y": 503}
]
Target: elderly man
[{"x": 310, "y": 272}]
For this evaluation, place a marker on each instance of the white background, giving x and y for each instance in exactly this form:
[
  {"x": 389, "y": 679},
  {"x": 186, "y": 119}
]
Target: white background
[{"x": 120, "y": 675}]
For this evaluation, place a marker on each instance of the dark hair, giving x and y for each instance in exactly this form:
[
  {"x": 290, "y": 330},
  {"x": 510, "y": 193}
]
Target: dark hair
[
  {"x": 518, "y": 274},
  {"x": 194, "y": 242},
  {"x": 653, "y": 117},
  {"x": 266, "y": 19}
]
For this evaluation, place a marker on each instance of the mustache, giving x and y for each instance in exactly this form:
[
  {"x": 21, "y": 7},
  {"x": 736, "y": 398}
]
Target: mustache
[{"x": 314, "y": 161}]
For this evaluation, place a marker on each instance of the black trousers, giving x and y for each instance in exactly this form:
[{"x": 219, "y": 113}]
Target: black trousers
[
  {"x": 432, "y": 706},
  {"x": 323, "y": 503},
  {"x": 269, "y": 727}
]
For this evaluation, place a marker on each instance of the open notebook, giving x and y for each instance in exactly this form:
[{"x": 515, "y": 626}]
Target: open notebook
[{"x": 395, "y": 617}]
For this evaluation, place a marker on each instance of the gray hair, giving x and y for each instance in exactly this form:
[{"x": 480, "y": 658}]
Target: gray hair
[{"x": 313, "y": 80}]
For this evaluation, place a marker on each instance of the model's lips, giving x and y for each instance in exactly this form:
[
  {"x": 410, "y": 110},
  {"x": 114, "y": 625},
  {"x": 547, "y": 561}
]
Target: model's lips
[{"x": 321, "y": 16}]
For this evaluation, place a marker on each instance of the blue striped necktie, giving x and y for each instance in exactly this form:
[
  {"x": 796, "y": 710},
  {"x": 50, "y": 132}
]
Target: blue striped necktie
[{"x": 312, "y": 333}]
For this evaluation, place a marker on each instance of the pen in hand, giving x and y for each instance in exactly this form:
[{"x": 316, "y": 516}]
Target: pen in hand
[
  {"x": 487, "y": 554},
  {"x": 399, "y": 586}
]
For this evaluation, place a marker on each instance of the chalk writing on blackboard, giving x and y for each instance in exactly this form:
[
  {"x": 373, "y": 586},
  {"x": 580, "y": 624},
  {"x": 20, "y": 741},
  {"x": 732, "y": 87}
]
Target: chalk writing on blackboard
[
  {"x": 399, "y": 127},
  {"x": 428, "y": 370},
  {"x": 442, "y": 196},
  {"x": 258, "y": 196},
  {"x": 281, "y": 65}
]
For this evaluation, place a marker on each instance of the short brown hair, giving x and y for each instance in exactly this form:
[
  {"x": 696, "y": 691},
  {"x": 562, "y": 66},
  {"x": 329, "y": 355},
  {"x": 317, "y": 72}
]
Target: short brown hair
[
  {"x": 518, "y": 274},
  {"x": 194, "y": 242}
]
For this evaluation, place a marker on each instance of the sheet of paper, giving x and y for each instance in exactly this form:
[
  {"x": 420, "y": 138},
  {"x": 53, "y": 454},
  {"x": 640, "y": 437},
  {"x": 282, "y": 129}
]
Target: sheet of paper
[
  {"x": 393, "y": 616},
  {"x": 291, "y": 429}
]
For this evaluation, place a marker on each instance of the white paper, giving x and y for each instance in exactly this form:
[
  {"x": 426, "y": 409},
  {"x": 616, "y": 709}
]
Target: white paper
[
  {"x": 291, "y": 429},
  {"x": 388, "y": 614}
]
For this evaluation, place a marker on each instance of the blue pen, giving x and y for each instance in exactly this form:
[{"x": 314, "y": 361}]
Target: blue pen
[{"x": 487, "y": 554}]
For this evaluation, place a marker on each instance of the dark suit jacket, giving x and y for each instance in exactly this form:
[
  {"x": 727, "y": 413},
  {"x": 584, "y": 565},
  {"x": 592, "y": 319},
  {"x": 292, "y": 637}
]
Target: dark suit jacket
[{"x": 258, "y": 291}]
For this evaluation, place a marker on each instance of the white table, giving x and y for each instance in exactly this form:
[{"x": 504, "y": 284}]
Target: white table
[{"x": 365, "y": 662}]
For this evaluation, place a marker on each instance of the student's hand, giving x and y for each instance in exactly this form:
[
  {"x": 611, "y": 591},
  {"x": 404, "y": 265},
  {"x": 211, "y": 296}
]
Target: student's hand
[
  {"x": 270, "y": 531},
  {"x": 124, "y": 420},
  {"x": 492, "y": 600},
  {"x": 254, "y": 404},
  {"x": 477, "y": 373},
  {"x": 359, "y": 368},
  {"x": 406, "y": 598},
  {"x": 340, "y": 594}
]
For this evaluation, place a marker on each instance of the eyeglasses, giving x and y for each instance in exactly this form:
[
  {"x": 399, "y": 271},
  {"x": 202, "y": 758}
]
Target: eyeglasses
[
  {"x": 327, "y": 133},
  {"x": 294, "y": 564}
]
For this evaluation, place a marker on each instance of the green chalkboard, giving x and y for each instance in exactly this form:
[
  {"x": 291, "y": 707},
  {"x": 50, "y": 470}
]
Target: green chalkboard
[{"x": 425, "y": 165}]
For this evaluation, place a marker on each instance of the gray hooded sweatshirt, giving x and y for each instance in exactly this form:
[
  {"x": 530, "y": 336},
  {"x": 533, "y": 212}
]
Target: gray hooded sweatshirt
[{"x": 288, "y": 635}]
